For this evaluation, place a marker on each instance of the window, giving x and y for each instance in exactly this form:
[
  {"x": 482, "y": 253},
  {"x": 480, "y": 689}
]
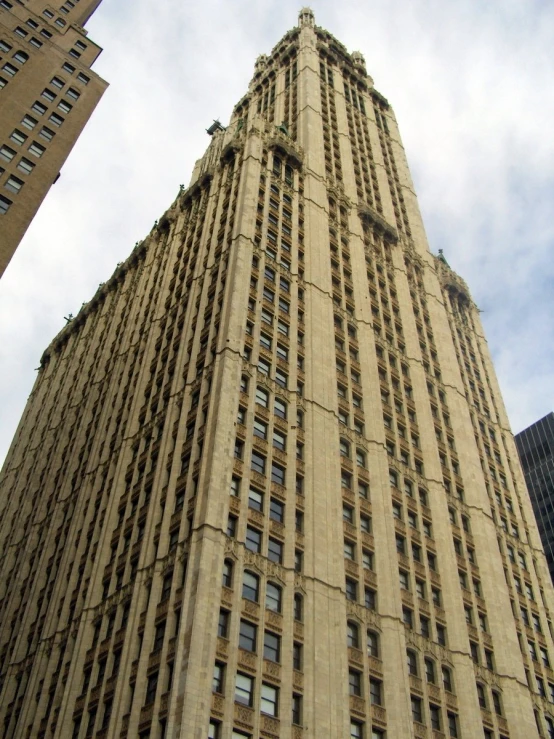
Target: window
[
  {"x": 280, "y": 408},
  {"x": 6, "y": 47},
  {"x": 253, "y": 540},
  {"x": 430, "y": 671},
  {"x": 365, "y": 523},
  {"x": 244, "y": 689},
  {"x": 273, "y": 598},
  {"x": 417, "y": 714},
  {"x": 354, "y": 682},
  {"x": 498, "y": 704},
  {"x": 297, "y": 656},
  {"x": 258, "y": 463},
  {"x": 231, "y": 527},
  {"x": 424, "y": 627},
  {"x": 370, "y": 599},
  {"x": 277, "y": 474},
  {"x": 239, "y": 449},
  {"x": 352, "y": 635},
  {"x": 408, "y": 617},
  {"x": 373, "y": 644},
  {"x": 18, "y": 138},
  {"x": 351, "y": 589},
  {"x": 363, "y": 490},
  {"x": 262, "y": 397},
  {"x": 228, "y": 573},
  {"x": 255, "y": 499},
  {"x": 7, "y": 153},
  {"x": 375, "y": 692},
  {"x": 269, "y": 700},
  {"x": 276, "y": 510},
  {"x": 349, "y": 550},
  {"x": 36, "y": 150},
  {"x": 298, "y": 607},
  {"x": 298, "y": 560},
  {"x": 356, "y": 730},
  {"x": 452, "y": 725},
  {"x": 275, "y": 551},
  {"x": 235, "y": 489},
  {"x": 250, "y": 586},
  {"x": 9, "y": 70},
  {"x": 56, "y": 120},
  {"x": 297, "y": 709},
  {"x": 447, "y": 679},
  {"x": 404, "y": 578},
  {"x": 412, "y": 662},
  {"x": 279, "y": 440},
  {"x": 151, "y": 688},
  {"x": 83, "y": 78},
  {"x": 435, "y": 715},
  {"x": 272, "y": 647},
  {"x": 214, "y": 730},
  {"x": 247, "y": 636},
  {"x": 481, "y": 696}
]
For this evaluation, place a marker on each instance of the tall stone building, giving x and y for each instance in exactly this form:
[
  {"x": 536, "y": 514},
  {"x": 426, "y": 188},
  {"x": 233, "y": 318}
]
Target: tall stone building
[
  {"x": 265, "y": 484},
  {"x": 536, "y": 452},
  {"x": 47, "y": 94}
]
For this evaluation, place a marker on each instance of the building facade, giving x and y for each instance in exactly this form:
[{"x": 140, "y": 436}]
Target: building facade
[
  {"x": 265, "y": 484},
  {"x": 47, "y": 94},
  {"x": 536, "y": 452}
]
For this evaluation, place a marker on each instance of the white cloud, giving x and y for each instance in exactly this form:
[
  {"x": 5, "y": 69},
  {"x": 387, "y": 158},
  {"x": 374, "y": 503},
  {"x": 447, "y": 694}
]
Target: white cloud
[{"x": 471, "y": 87}]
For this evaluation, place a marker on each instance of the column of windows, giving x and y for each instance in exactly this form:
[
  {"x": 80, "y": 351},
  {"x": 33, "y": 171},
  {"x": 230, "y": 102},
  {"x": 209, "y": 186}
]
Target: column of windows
[
  {"x": 333, "y": 164},
  {"x": 380, "y": 109}
]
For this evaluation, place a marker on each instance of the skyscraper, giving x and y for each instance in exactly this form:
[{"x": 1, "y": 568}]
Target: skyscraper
[
  {"x": 265, "y": 484},
  {"x": 536, "y": 452},
  {"x": 47, "y": 94}
]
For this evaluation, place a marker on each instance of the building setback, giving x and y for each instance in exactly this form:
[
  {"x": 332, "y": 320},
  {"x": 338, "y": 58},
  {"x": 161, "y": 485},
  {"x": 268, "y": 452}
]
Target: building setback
[
  {"x": 47, "y": 94},
  {"x": 536, "y": 452},
  {"x": 265, "y": 485}
]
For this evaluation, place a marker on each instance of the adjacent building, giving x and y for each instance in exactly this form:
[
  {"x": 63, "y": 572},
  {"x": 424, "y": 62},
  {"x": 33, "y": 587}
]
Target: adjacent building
[
  {"x": 536, "y": 452},
  {"x": 47, "y": 94},
  {"x": 264, "y": 485}
]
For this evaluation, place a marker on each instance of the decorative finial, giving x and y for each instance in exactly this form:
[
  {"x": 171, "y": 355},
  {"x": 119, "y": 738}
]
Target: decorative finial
[
  {"x": 306, "y": 18},
  {"x": 442, "y": 258},
  {"x": 68, "y": 318},
  {"x": 358, "y": 59}
]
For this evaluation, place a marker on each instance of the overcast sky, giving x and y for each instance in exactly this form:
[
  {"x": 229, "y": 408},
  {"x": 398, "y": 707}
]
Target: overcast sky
[{"x": 472, "y": 87}]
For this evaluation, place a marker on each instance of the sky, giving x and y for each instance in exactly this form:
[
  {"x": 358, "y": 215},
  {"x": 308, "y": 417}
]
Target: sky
[{"x": 471, "y": 86}]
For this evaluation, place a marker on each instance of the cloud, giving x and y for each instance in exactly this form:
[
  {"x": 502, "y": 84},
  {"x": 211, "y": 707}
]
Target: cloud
[{"x": 471, "y": 87}]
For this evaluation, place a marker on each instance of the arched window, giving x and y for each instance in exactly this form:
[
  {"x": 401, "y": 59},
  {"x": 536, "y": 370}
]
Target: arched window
[
  {"x": 352, "y": 635},
  {"x": 430, "y": 671},
  {"x": 447, "y": 679},
  {"x": 228, "y": 573},
  {"x": 373, "y": 644},
  {"x": 412, "y": 662},
  {"x": 251, "y": 586},
  {"x": 298, "y": 607},
  {"x": 273, "y": 597},
  {"x": 482, "y": 696}
]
